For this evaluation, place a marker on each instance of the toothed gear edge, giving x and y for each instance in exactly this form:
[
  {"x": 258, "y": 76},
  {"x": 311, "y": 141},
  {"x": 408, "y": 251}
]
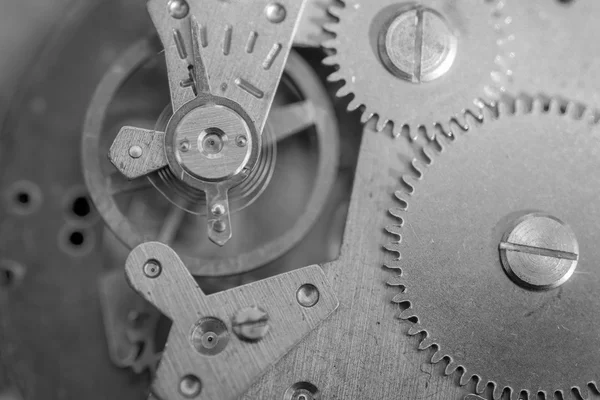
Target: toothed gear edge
[
  {"x": 536, "y": 155},
  {"x": 478, "y": 76}
]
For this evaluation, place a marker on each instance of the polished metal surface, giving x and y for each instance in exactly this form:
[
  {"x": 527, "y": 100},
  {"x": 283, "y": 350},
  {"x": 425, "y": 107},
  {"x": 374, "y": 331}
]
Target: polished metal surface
[
  {"x": 221, "y": 162},
  {"x": 310, "y": 108},
  {"x": 452, "y": 279},
  {"x": 539, "y": 252},
  {"x": 466, "y": 41},
  {"x": 417, "y": 45},
  {"x": 234, "y": 364}
]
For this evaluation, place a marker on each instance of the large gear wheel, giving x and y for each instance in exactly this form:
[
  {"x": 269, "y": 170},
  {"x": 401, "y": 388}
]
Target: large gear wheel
[
  {"x": 420, "y": 65},
  {"x": 498, "y": 251}
]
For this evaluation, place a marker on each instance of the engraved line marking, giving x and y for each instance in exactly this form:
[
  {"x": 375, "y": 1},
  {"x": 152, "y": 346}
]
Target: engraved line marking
[
  {"x": 250, "y": 88},
  {"x": 251, "y": 42},
  {"x": 418, "y": 45},
  {"x": 203, "y": 35},
  {"x": 540, "y": 251},
  {"x": 275, "y": 50},
  {"x": 227, "y": 40},
  {"x": 178, "y": 38}
]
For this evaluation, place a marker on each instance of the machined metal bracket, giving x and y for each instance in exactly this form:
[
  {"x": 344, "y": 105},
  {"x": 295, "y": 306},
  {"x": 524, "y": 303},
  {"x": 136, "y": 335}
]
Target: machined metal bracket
[
  {"x": 220, "y": 344},
  {"x": 225, "y": 57}
]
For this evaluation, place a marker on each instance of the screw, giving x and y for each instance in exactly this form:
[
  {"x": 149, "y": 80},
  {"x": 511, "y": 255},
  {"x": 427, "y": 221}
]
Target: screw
[
  {"x": 275, "y": 12},
  {"x": 210, "y": 336},
  {"x": 219, "y": 226},
  {"x": 417, "y": 45},
  {"x": 539, "y": 252},
  {"x": 135, "y": 151},
  {"x": 218, "y": 209},
  {"x": 241, "y": 141},
  {"x": 184, "y": 146},
  {"x": 307, "y": 295},
  {"x": 178, "y": 8},
  {"x": 190, "y": 386},
  {"x": 250, "y": 324},
  {"x": 302, "y": 391},
  {"x": 152, "y": 269}
]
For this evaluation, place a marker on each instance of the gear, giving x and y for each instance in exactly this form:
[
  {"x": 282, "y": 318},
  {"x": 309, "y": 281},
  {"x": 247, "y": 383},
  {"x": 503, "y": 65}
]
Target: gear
[
  {"x": 480, "y": 243},
  {"x": 562, "y": 37},
  {"x": 427, "y": 67}
]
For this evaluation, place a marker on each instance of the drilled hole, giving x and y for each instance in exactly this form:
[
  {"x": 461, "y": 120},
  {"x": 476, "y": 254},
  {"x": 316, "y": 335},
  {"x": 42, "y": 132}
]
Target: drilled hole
[
  {"x": 81, "y": 207},
  {"x": 77, "y": 238},
  {"x": 23, "y": 197}
]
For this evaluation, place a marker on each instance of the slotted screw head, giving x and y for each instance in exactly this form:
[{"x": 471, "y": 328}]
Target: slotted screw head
[
  {"x": 539, "y": 252},
  {"x": 250, "y": 324},
  {"x": 417, "y": 45}
]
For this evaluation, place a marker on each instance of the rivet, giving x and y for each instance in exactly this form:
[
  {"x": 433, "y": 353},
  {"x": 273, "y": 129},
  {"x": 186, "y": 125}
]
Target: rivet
[
  {"x": 135, "y": 151},
  {"x": 178, "y": 9},
  {"x": 152, "y": 269},
  {"x": 307, "y": 295},
  {"x": 275, "y": 12}
]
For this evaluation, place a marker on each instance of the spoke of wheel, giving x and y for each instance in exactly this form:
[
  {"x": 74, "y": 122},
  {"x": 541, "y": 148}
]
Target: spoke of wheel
[
  {"x": 171, "y": 225},
  {"x": 117, "y": 184},
  {"x": 291, "y": 119}
]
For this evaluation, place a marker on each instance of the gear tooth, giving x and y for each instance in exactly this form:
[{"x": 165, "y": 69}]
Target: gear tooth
[
  {"x": 426, "y": 153},
  {"x": 381, "y": 124},
  {"x": 343, "y": 91},
  {"x": 479, "y": 386},
  {"x": 418, "y": 167},
  {"x": 497, "y": 391},
  {"x": 397, "y": 213},
  {"x": 506, "y": 106},
  {"x": 336, "y": 11},
  {"x": 460, "y": 122},
  {"x": 539, "y": 105},
  {"x": 335, "y": 77},
  {"x": 437, "y": 356},
  {"x": 330, "y": 60},
  {"x": 415, "y": 329},
  {"x": 394, "y": 248},
  {"x": 465, "y": 377},
  {"x": 442, "y": 130},
  {"x": 451, "y": 367},
  {"x": 594, "y": 386},
  {"x": 407, "y": 314},
  {"x": 400, "y": 198},
  {"x": 395, "y": 230},
  {"x": 400, "y": 298},
  {"x": 353, "y": 105},
  {"x": 410, "y": 183},
  {"x": 575, "y": 110},
  {"x": 396, "y": 281},
  {"x": 583, "y": 392},
  {"x": 590, "y": 116},
  {"x": 331, "y": 27},
  {"x": 366, "y": 115},
  {"x": 426, "y": 343},
  {"x": 557, "y": 106},
  {"x": 475, "y": 116}
]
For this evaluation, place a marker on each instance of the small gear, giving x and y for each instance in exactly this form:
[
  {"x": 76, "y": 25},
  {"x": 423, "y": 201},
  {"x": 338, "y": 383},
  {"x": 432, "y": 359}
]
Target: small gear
[
  {"x": 497, "y": 246},
  {"x": 420, "y": 65}
]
